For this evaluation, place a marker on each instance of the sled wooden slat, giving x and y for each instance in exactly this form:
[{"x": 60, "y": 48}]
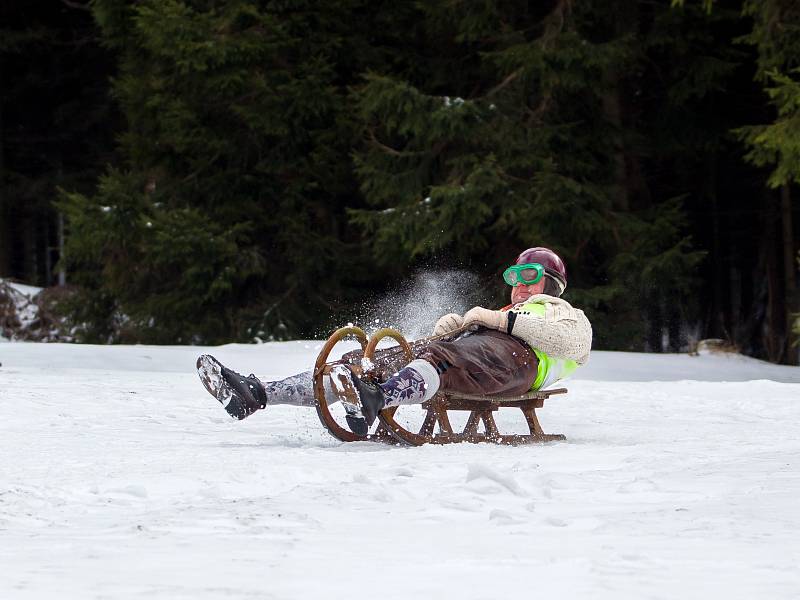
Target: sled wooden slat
[
  {"x": 472, "y": 423},
  {"x": 511, "y": 400},
  {"x": 389, "y": 430},
  {"x": 490, "y": 425},
  {"x": 428, "y": 424},
  {"x": 481, "y": 412},
  {"x": 440, "y": 412}
]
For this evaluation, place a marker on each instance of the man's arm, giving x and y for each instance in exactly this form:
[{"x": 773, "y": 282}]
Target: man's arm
[
  {"x": 559, "y": 330},
  {"x": 547, "y": 324}
]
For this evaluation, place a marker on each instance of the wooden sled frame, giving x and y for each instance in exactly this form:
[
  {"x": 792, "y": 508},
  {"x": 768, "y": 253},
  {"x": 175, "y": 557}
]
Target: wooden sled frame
[{"x": 389, "y": 431}]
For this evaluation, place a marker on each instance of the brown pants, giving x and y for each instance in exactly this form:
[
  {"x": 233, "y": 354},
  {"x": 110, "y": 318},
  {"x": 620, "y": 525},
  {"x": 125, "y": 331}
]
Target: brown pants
[{"x": 485, "y": 363}]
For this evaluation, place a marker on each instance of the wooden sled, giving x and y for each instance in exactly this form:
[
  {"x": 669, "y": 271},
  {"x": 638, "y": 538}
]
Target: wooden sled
[{"x": 390, "y": 431}]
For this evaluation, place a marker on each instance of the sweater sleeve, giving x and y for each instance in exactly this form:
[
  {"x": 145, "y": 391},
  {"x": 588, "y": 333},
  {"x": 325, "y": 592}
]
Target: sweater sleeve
[{"x": 552, "y": 326}]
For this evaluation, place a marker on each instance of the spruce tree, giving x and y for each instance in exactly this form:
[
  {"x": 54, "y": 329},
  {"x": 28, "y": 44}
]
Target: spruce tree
[
  {"x": 510, "y": 138},
  {"x": 226, "y": 213},
  {"x": 776, "y": 146}
]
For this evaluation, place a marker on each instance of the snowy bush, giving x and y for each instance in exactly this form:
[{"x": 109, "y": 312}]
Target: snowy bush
[{"x": 31, "y": 314}]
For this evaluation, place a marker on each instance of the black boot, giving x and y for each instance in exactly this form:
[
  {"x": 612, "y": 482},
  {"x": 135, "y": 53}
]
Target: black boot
[
  {"x": 362, "y": 399},
  {"x": 241, "y": 396}
]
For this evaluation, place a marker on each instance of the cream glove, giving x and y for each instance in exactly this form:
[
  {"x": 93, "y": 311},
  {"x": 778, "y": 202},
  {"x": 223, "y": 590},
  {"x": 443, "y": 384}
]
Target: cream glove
[
  {"x": 448, "y": 323},
  {"x": 493, "y": 319}
]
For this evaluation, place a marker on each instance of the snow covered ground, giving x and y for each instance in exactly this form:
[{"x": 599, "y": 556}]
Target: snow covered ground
[{"x": 121, "y": 478}]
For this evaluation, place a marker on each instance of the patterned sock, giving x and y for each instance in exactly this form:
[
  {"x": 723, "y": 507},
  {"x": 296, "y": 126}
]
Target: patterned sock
[{"x": 415, "y": 383}]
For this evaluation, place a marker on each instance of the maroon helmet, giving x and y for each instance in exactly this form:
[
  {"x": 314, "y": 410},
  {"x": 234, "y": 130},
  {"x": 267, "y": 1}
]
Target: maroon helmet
[{"x": 554, "y": 267}]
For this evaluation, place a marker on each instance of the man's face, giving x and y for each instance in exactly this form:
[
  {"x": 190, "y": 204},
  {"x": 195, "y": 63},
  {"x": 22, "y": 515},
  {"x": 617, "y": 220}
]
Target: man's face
[{"x": 521, "y": 292}]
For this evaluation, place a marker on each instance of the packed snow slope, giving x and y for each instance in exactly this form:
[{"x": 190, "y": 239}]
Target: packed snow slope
[{"x": 121, "y": 478}]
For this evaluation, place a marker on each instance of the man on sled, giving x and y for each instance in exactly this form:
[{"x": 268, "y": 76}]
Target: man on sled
[{"x": 530, "y": 344}]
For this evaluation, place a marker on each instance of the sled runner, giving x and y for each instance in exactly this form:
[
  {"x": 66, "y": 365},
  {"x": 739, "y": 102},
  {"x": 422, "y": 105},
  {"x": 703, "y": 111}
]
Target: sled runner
[{"x": 433, "y": 425}]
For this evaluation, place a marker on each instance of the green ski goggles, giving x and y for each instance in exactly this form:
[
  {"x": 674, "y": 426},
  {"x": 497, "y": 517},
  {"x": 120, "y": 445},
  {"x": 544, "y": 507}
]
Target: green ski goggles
[{"x": 526, "y": 274}]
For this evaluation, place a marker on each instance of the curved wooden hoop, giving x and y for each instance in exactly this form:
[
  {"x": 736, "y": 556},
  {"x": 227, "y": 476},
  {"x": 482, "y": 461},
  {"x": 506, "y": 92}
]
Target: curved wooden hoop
[
  {"x": 369, "y": 351},
  {"x": 321, "y": 370}
]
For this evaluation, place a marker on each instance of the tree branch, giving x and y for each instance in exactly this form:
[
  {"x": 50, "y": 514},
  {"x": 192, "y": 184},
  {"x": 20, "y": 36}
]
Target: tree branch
[
  {"x": 503, "y": 83},
  {"x": 77, "y": 5},
  {"x": 382, "y": 146}
]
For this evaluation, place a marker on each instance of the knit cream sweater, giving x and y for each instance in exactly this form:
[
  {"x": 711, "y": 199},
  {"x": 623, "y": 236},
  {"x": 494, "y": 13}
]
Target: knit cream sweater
[{"x": 561, "y": 332}]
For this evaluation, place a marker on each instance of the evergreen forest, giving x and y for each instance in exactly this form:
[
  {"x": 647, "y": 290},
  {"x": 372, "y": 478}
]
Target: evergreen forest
[{"x": 208, "y": 171}]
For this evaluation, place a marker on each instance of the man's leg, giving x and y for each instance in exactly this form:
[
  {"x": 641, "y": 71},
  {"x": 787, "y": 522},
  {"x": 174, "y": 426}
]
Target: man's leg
[
  {"x": 242, "y": 396},
  {"x": 296, "y": 390},
  {"x": 486, "y": 363}
]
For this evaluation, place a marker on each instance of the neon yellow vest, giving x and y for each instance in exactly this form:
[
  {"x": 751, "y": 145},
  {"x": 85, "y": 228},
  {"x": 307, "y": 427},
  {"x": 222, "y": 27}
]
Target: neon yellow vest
[{"x": 550, "y": 369}]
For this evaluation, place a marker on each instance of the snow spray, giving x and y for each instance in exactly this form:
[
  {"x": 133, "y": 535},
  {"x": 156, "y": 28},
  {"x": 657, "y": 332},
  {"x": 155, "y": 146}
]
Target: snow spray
[{"x": 414, "y": 307}]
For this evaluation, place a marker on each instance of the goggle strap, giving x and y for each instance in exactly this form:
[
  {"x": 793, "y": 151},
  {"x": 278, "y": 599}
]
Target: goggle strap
[{"x": 555, "y": 276}]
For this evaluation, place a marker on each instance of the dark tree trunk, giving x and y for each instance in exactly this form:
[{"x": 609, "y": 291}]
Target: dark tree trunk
[
  {"x": 674, "y": 327},
  {"x": 5, "y": 231},
  {"x": 30, "y": 262},
  {"x": 612, "y": 109},
  {"x": 789, "y": 270},
  {"x": 655, "y": 325},
  {"x": 62, "y": 271},
  {"x": 775, "y": 331},
  {"x": 717, "y": 314}
]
